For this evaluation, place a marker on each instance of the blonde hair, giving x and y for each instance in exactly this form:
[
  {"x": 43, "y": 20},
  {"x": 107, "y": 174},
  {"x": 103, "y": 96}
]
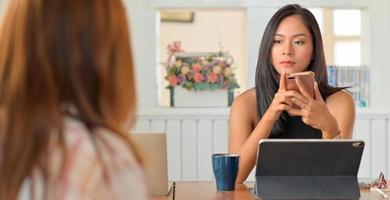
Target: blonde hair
[{"x": 74, "y": 52}]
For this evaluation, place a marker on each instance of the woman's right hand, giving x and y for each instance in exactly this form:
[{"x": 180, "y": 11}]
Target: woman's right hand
[{"x": 282, "y": 100}]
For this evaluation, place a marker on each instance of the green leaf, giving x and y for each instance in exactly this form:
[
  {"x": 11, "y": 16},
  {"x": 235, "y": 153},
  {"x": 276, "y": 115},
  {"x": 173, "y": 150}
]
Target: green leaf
[
  {"x": 188, "y": 84},
  {"x": 204, "y": 86},
  {"x": 177, "y": 71},
  {"x": 233, "y": 85},
  {"x": 215, "y": 86},
  {"x": 173, "y": 71},
  {"x": 201, "y": 86},
  {"x": 196, "y": 87}
]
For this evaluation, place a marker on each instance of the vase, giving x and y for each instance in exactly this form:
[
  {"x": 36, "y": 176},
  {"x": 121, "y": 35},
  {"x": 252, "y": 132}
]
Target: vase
[{"x": 181, "y": 97}]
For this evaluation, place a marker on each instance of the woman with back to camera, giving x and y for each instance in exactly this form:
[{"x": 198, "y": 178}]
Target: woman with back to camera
[
  {"x": 67, "y": 94},
  {"x": 291, "y": 43}
]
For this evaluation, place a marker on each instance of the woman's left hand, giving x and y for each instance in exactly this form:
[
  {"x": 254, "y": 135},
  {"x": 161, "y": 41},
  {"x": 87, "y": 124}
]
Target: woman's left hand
[{"x": 314, "y": 111}]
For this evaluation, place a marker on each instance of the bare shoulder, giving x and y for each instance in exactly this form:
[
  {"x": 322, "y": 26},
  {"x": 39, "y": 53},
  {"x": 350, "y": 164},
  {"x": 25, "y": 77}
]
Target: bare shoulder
[
  {"x": 246, "y": 97},
  {"x": 342, "y": 98},
  {"x": 342, "y": 107},
  {"x": 245, "y": 105},
  {"x": 245, "y": 101},
  {"x": 341, "y": 102}
]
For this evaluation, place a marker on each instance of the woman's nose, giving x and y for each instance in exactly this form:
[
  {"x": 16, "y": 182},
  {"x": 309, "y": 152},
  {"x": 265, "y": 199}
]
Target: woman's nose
[{"x": 287, "y": 49}]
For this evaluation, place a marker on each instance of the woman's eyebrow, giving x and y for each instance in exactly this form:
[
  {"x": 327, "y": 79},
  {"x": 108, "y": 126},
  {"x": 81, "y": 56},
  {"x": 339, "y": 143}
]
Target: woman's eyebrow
[{"x": 296, "y": 35}]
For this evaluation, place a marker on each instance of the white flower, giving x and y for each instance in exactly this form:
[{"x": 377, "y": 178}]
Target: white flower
[
  {"x": 222, "y": 59},
  {"x": 185, "y": 70},
  {"x": 227, "y": 72},
  {"x": 217, "y": 69},
  {"x": 204, "y": 62},
  {"x": 178, "y": 63}
]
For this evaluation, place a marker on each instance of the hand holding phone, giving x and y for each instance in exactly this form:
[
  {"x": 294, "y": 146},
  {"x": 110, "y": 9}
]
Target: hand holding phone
[{"x": 307, "y": 79}]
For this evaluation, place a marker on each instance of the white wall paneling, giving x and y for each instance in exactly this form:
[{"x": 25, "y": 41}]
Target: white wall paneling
[
  {"x": 157, "y": 125},
  {"x": 378, "y": 146},
  {"x": 387, "y": 147},
  {"x": 189, "y": 149},
  {"x": 142, "y": 125},
  {"x": 192, "y": 140},
  {"x": 205, "y": 148},
  {"x": 362, "y": 132},
  {"x": 174, "y": 149},
  {"x": 220, "y": 135}
]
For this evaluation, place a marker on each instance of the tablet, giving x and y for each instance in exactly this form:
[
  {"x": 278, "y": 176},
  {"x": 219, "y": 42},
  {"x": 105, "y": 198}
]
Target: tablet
[
  {"x": 308, "y": 169},
  {"x": 318, "y": 157}
]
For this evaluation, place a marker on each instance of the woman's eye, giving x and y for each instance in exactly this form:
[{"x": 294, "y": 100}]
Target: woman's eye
[
  {"x": 277, "y": 41},
  {"x": 300, "y": 42}
]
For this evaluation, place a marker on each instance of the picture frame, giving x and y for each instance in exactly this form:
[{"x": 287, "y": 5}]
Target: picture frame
[{"x": 177, "y": 16}]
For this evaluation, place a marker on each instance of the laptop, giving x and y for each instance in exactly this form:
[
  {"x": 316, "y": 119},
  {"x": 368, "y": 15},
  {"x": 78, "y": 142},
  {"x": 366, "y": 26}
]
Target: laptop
[
  {"x": 308, "y": 169},
  {"x": 153, "y": 147}
]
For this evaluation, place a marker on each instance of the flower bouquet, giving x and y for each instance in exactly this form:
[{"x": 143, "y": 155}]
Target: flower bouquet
[{"x": 199, "y": 71}]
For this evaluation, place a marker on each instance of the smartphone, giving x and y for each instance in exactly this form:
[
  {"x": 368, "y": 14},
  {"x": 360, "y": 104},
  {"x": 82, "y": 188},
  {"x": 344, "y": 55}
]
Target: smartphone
[{"x": 307, "y": 79}]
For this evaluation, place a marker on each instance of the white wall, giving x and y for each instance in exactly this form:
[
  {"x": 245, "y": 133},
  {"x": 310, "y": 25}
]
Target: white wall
[
  {"x": 2, "y": 7},
  {"x": 143, "y": 15},
  {"x": 379, "y": 17}
]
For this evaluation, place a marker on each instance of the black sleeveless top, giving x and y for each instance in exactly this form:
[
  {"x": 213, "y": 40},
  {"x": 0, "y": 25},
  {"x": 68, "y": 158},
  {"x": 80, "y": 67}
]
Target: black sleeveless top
[{"x": 296, "y": 129}]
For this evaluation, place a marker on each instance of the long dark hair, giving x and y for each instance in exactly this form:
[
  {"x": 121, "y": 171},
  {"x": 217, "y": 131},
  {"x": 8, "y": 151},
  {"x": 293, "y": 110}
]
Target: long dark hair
[
  {"x": 55, "y": 53},
  {"x": 267, "y": 78}
]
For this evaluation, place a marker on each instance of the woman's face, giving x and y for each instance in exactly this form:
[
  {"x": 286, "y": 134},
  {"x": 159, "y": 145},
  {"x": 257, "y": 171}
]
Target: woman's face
[{"x": 292, "y": 46}]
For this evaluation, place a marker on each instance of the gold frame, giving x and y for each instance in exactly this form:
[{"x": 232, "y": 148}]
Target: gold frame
[{"x": 177, "y": 16}]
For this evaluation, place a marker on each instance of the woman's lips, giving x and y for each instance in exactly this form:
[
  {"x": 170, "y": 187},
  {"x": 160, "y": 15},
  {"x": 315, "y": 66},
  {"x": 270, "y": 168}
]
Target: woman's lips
[{"x": 287, "y": 63}]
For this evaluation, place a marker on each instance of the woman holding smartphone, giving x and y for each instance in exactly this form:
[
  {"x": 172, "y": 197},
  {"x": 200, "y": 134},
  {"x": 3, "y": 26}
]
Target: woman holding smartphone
[{"x": 291, "y": 43}]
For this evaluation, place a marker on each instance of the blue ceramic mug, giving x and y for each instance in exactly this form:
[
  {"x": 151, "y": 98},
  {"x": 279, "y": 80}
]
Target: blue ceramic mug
[{"x": 225, "y": 167}]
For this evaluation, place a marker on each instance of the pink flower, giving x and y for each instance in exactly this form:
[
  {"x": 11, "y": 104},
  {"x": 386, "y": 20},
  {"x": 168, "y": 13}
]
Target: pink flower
[
  {"x": 198, "y": 77},
  {"x": 175, "y": 47},
  {"x": 222, "y": 64},
  {"x": 173, "y": 80},
  {"x": 196, "y": 67},
  {"x": 212, "y": 77}
]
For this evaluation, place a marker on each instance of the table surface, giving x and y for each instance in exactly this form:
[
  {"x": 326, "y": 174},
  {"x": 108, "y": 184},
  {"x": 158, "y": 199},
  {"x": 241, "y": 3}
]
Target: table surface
[{"x": 194, "y": 190}]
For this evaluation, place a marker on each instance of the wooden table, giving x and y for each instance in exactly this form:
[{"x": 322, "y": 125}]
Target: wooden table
[{"x": 206, "y": 190}]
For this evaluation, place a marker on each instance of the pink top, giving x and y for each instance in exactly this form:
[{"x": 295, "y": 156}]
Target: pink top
[{"x": 99, "y": 166}]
